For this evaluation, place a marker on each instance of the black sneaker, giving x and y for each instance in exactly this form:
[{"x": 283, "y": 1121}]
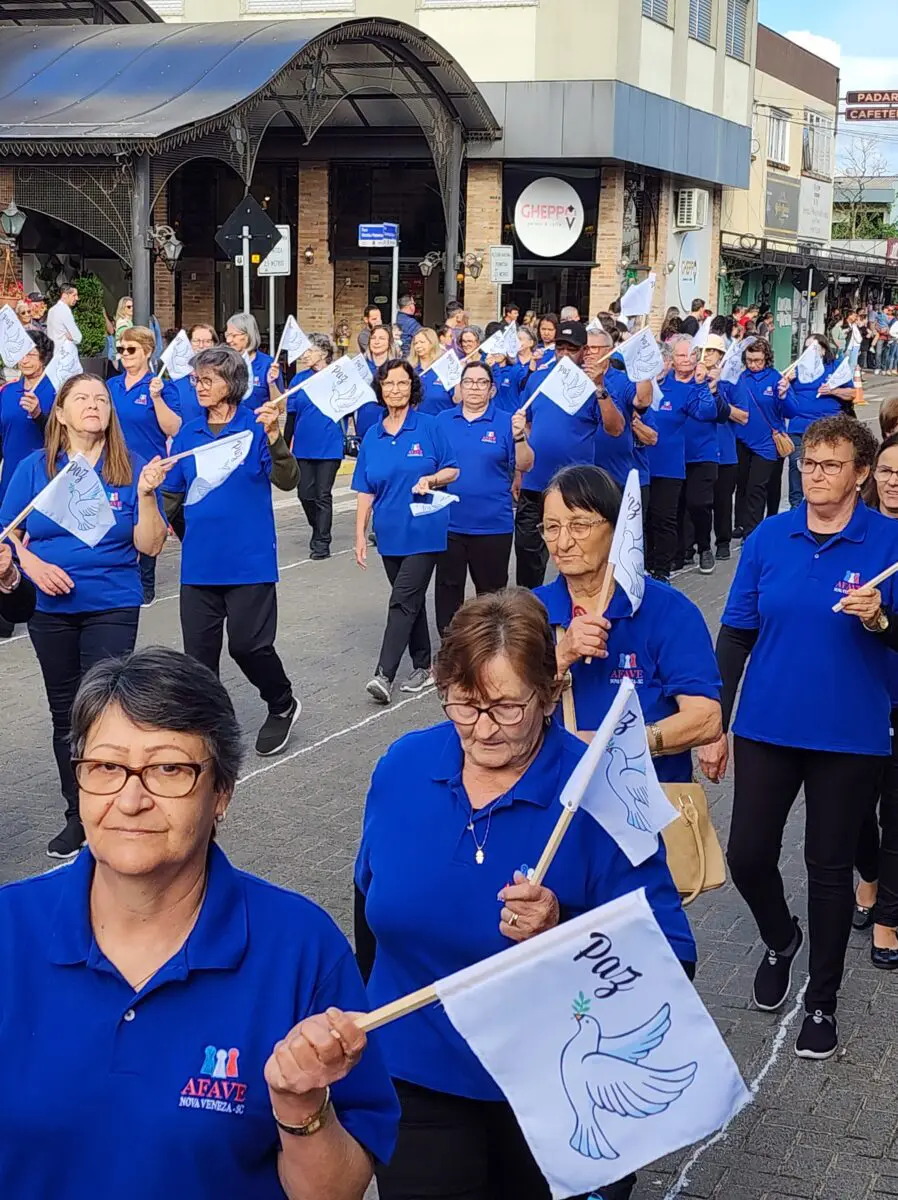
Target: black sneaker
[
  {"x": 659, "y": 577},
  {"x": 723, "y": 551},
  {"x": 706, "y": 563},
  {"x": 819, "y": 1037},
  {"x": 738, "y": 533},
  {"x": 319, "y": 555},
  {"x": 69, "y": 842},
  {"x": 773, "y": 978},
  {"x": 275, "y": 733},
  {"x": 862, "y": 918}
]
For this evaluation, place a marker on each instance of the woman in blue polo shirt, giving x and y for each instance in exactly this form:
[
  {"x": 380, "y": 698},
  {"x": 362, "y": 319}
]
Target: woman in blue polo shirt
[
  {"x": 24, "y": 407},
  {"x": 490, "y": 446},
  {"x": 317, "y": 445},
  {"x": 89, "y": 597},
  {"x": 425, "y": 351},
  {"x": 759, "y": 394},
  {"x": 664, "y": 647},
  {"x": 453, "y": 814},
  {"x": 229, "y": 566},
  {"x": 211, "y": 1007},
  {"x": 242, "y": 334},
  {"x": 380, "y": 350},
  {"x": 813, "y": 711},
  {"x": 402, "y": 460},
  {"x": 202, "y": 337}
]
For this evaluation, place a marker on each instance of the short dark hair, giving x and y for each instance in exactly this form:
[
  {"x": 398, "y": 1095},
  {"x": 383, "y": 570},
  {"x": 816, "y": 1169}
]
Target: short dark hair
[
  {"x": 697, "y": 306},
  {"x": 587, "y": 487},
  {"x": 390, "y": 365},
  {"x": 760, "y": 346},
  {"x": 719, "y": 326},
  {"x": 370, "y": 308},
  {"x": 442, "y": 330},
  {"x": 454, "y": 307},
  {"x": 160, "y": 688},
  {"x": 841, "y": 428},
  {"x": 492, "y": 327},
  {"x": 42, "y": 344},
  {"x": 229, "y": 366},
  {"x": 553, "y": 317},
  {"x": 67, "y": 288},
  {"x": 888, "y": 416},
  {"x": 476, "y": 365},
  {"x": 510, "y": 307}
]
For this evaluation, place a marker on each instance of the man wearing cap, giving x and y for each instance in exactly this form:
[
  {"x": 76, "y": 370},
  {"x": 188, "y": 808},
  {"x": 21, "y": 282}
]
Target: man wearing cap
[
  {"x": 558, "y": 439},
  {"x": 38, "y": 321}
]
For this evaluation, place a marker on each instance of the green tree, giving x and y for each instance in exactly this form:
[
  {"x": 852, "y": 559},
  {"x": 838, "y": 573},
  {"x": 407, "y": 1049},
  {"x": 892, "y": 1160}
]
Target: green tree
[{"x": 90, "y": 315}]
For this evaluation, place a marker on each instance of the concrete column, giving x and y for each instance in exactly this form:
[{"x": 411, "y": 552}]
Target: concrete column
[
  {"x": 605, "y": 279},
  {"x": 452, "y": 211},
  {"x": 141, "y": 272},
  {"x": 315, "y": 279},
  {"x": 483, "y": 228}
]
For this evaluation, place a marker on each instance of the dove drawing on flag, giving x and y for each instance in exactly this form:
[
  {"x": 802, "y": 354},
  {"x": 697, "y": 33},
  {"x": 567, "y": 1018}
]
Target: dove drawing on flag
[
  {"x": 603, "y": 1073},
  {"x": 626, "y": 778},
  {"x": 177, "y": 356},
  {"x": 76, "y": 500}
]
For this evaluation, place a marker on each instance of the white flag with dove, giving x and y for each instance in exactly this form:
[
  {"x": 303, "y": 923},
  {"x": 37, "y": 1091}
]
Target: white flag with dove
[
  {"x": 568, "y": 386},
  {"x": 14, "y": 340},
  {"x": 495, "y": 343},
  {"x": 177, "y": 357},
  {"x": 251, "y": 383},
  {"x": 215, "y": 461},
  {"x": 338, "y": 390},
  {"x": 512, "y": 346},
  {"x": 421, "y": 506},
  {"x": 448, "y": 369},
  {"x": 642, "y": 356},
  {"x": 637, "y": 300},
  {"x": 627, "y": 554},
  {"x": 732, "y": 366},
  {"x": 600, "y": 1043},
  {"x": 76, "y": 499},
  {"x": 293, "y": 341},
  {"x": 843, "y": 376},
  {"x": 64, "y": 364},
  {"x": 701, "y": 338},
  {"x": 809, "y": 366}
]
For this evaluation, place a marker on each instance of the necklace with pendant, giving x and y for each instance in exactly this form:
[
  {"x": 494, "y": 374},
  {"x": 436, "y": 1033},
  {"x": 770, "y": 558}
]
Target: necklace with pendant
[{"x": 480, "y": 847}]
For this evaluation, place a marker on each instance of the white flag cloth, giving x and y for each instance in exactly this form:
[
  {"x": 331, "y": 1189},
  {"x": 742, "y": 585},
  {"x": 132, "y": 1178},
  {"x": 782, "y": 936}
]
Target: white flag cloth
[
  {"x": 595, "y": 326},
  {"x": 657, "y": 394},
  {"x": 510, "y": 339},
  {"x": 732, "y": 366},
  {"x": 215, "y": 461},
  {"x": 178, "y": 356},
  {"x": 252, "y": 383},
  {"x": 637, "y": 301},
  {"x": 293, "y": 341},
  {"x": 76, "y": 499},
  {"x": 701, "y": 338},
  {"x": 627, "y": 554},
  {"x": 448, "y": 369},
  {"x": 438, "y": 500},
  {"x": 14, "y": 341},
  {"x": 495, "y": 343},
  {"x": 642, "y": 356},
  {"x": 338, "y": 390},
  {"x": 360, "y": 363},
  {"x": 64, "y": 364},
  {"x": 567, "y": 385},
  {"x": 810, "y": 365},
  {"x": 843, "y": 376},
  {"x": 600, "y": 1043}
]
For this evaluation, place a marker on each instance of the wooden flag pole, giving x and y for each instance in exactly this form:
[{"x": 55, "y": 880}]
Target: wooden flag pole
[
  {"x": 552, "y": 845},
  {"x": 397, "y": 1008},
  {"x": 26, "y": 511},
  {"x": 604, "y": 594},
  {"x": 874, "y": 582}
]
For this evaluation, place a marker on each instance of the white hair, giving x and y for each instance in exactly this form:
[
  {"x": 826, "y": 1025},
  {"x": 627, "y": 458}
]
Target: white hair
[
  {"x": 678, "y": 339},
  {"x": 245, "y": 323}
]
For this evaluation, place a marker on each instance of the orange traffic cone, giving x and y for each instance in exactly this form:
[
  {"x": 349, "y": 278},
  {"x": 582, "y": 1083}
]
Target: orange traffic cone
[{"x": 858, "y": 388}]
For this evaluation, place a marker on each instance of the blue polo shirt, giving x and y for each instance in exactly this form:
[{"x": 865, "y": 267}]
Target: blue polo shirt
[
  {"x": 188, "y": 405},
  {"x": 615, "y": 454},
  {"x": 229, "y": 536},
  {"x": 162, "y": 1092},
  {"x": 371, "y": 412},
  {"x": 531, "y": 380},
  {"x": 20, "y": 433},
  {"x": 137, "y": 415},
  {"x": 757, "y": 392},
  {"x": 816, "y": 680},
  {"x": 558, "y": 439},
  {"x": 433, "y": 910},
  {"x": 509, "y": 380},
  {"x": 803, "y": 406},
  {"x": 664, "y": 648},
  {"x": 434, "y": 397},
  {"x": 680, "y": 400},
  {"x": 726, "y": 433},
  {"x": 314, "y": 434},
  {"x": 485, "y": 451},
  {"x": 106, "y": 575},
  {"x": 388, "y": 467},
  {"x": 260, "y": 364},
  {"x": 703, "y": 437},
  {"x": 640, "y": 452}
]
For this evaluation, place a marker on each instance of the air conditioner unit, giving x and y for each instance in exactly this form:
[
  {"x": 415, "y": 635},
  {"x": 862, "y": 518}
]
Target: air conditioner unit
[{"x": 691, "y": 209}]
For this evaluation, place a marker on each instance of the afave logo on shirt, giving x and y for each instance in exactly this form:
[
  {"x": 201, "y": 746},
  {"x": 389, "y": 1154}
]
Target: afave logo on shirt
[
  {"x": 627, "y": 668},
  {"x": 216, "y": 1088},
  {"x": 489, "y": 437},
  {"x": 768, "y": 391},
  {"x": 416, "y": 451},
  {"x": 141, "y": 399},
  {"x": 115, "y": 501},
  {"x": 850, "y": 583},
  {"x": 665, "y": 406}
]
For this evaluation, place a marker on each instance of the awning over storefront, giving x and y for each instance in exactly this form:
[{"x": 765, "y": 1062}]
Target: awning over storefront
[{"x": 756, "y": 253}]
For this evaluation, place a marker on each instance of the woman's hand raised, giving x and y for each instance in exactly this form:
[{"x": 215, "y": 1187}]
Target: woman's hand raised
[
  {"x": 316, "y": 1053},
  {"x": 527, "y": 909}
]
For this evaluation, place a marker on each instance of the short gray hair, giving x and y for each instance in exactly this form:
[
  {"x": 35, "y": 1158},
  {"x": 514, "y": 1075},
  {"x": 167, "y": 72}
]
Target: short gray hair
[
  {"x": 323, "y": 343},
  {"x": 246, "y": 324},
  {"x": 528, "y": 333},
  {"x": 475, "y": 329},
  {"x": 229, "y": 366},
  {"x": 159, "y": 688},
  {"x": 678, "y": 340},
  {"x": 569, "y": 313}
]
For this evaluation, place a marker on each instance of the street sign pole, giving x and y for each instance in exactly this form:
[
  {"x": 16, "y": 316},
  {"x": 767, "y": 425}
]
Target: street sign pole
[
  {"x": 245, "y": 234},
  {"x": 271, "y": 279},
  {"x": 276, "y": 262},
  {"x": 395, "y": 292}
]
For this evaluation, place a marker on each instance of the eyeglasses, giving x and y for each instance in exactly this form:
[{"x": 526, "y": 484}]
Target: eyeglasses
[
  {"x": 884, "y": 474},
  {"x": 172, "y": 781},
  {"x": 503, "y": 712},
  {"x": 129, "y": 349},
  {"x": 477, "y": 385},
  {"x": 396, "y": 385},
  {"x": 579, "y": 529},
  {"x": 830, "y": 466}
]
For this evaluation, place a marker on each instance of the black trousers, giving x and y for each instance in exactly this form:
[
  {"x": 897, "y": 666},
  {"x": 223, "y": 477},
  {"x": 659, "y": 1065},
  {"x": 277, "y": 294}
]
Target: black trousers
[
  {"x": 664, "y": 501},
  {"x": 724, "y": 490},
  {"x": 459, "y": 1149},
  {"x": 67, "y": 645},
  {"x": 695, "y": 512},
  {"x": 753, "y": 480},
  {"x": 251, "y": 612},
  {"x": 877, "y": 855},
  {"x": 485, "y": 555},
  {"x": 147, "y": 565},
  {"x": 315, "y": 492},
  {"x": 531, "y": 555},
  {"x": 775, "y": 487},
  {"x": 840, "y": 791},
  {"x": 409, "y": 576}
]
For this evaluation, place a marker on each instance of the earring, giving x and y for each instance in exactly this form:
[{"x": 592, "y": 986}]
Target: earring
[{"x": 221, "y": 817}]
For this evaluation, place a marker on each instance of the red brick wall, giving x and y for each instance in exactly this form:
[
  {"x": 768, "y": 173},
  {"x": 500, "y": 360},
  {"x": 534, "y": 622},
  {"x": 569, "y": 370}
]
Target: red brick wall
[
  {"x": 197, "y": 290},
  {"x": 315, "y": 280},
  {"x": 483, "y": 228}
]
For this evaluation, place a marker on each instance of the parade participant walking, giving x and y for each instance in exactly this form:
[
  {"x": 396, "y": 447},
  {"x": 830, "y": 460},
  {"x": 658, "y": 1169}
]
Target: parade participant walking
[
  {"x": 615, "y": 452},
  {"x": 381, "y": 349},
  {"x": 758, "y": 393},
  {"x": 229, "y": 568},
  {"x": 88, "y": 596},
  {"x": 426, "y": 349},
  {"x": 61, "y": 325},
  {"x": 25, "y": 405},
  {"x": 18, "y": 595},
  {"x": 148, "y": 413},
  {"x": 242, "y": 334},
  {"x": 202, "y": 337},
  {"x": 469, "y": 340},
  {"x": 317, "y": 445},
  {"x": 154, "y": 933},
  {"x": 786, "y": 736},
  {"x": 449, "y": 811},
  {"x": 489, "y": 445},
  {"x": 664, "y": 647},
  {"x": 401, "y": 460}
]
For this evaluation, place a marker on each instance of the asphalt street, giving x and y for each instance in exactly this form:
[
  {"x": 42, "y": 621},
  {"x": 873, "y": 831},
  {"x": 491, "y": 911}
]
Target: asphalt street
[{"x": 828, "y": 1130}]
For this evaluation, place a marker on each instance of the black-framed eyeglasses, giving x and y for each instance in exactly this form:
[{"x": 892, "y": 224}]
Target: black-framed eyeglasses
[
  {"x": 829, "y": 466},
  {"x": 884, "y": 474},
  {"x": 171, "y": 781},
  {"x": 502, "y": 712}
]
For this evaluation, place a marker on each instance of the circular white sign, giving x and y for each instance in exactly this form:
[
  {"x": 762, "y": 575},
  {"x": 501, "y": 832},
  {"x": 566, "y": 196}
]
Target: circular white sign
[
  {"x": 691, "y": 270},
  {"x": 548, "y": 217}
]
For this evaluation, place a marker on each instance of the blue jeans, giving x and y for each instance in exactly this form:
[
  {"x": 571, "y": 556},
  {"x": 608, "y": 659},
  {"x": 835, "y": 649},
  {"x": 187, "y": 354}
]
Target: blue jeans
[{"x": 796, "y": 495}]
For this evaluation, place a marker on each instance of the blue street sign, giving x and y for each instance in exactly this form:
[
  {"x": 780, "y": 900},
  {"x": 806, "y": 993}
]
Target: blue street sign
[{"x": 386, "y": 233}]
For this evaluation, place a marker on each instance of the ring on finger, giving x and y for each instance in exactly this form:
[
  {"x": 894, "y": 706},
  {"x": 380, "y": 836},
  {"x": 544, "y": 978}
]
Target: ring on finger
[{"x": 512, "y": 919}]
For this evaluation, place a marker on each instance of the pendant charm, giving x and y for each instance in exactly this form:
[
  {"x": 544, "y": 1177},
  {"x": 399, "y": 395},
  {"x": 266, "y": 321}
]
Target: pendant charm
[{"x": 479, "y": 857}]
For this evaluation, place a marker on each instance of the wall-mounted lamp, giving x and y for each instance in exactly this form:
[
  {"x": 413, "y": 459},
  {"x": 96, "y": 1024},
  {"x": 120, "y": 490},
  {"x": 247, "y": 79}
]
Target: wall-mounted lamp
[
  {"x": 473, "y": 264},
  {"x": 12, "y": 220},
  {"x": 430, "y": 262},
  {"x": 670, "y": 267},
  {"x": 165, "y": 244},
  {"x": 309, "y": 255}
]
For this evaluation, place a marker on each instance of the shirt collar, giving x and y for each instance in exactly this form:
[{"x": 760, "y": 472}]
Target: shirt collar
[
  {"x": 410, "y": 422},
  {"x": 540, "y": 784},
  {"x": 218, "y": 940},
  {"x": 557, "y": 599},
  {"x": 487, "y": 414},
  {"x": 243, "y": 418},
  {"x": 854, "y": 531}
]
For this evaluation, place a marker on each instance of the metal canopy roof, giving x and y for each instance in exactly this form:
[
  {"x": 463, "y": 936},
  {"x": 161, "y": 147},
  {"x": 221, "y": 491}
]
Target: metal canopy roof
[
  {"x": 77, "y": 12},
  {"x": 113, "y": 89}
]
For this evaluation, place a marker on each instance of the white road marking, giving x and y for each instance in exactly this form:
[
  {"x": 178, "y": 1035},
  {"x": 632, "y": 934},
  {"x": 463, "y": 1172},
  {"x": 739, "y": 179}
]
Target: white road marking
[{"x": 15, "y": 638}]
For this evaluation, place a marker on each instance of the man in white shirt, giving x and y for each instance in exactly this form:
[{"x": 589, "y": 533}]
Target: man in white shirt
[{"x": 60, "y": 322}]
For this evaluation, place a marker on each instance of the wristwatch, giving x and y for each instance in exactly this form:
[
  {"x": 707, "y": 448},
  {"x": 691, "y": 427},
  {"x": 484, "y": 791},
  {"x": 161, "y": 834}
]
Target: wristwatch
[
  {"x": 655, "y": 739},
  {"x": 879, "y": 624},
  {"x": 310, "y": 1125}
]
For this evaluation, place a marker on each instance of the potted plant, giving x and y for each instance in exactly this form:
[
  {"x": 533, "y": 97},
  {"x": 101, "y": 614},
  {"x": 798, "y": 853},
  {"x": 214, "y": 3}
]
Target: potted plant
[{"x": 90, "y": 317}]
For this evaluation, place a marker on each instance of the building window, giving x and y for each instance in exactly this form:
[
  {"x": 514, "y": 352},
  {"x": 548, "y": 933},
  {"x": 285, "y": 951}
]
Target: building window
[
  {"x": 778, "y": 137},
  {"x": 168, "y": 8},
  {"x": 700, "y": 19},
  {"x": 476, "y": 3},
  {"x": 656, "y": 9},
  {"x": 817, "y": 144},
  {"x": 737, "y": 28},
  {"x": 297, "y": 6}
]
